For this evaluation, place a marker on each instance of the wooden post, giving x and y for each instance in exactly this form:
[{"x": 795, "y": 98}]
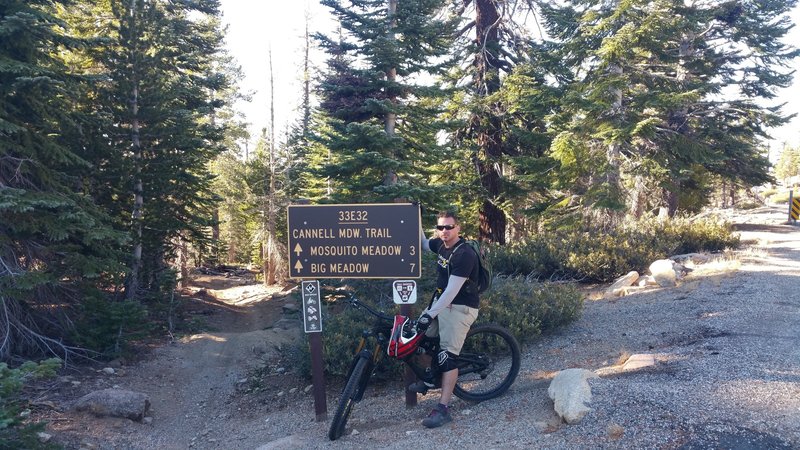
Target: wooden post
[
  {"x": 409, "y": 376},
  {"x": 318, "y": 377}
]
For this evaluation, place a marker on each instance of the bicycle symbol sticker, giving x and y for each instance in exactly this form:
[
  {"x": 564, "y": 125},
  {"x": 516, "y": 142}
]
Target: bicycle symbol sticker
[
  {"x": 312, "y": 317},
  {"x": 404, "y": 292}
]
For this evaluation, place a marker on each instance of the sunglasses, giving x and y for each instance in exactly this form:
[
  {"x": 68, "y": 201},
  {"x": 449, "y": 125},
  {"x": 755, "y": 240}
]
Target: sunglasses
[{"x": 445, "y": 227}]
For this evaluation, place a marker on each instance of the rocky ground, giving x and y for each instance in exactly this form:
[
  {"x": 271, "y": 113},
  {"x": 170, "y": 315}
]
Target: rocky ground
[{"x": 726, "y": 373}]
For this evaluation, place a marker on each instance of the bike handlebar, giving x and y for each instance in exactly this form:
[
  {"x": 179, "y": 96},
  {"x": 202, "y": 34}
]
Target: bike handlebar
[{"x": 358, "y": 304}]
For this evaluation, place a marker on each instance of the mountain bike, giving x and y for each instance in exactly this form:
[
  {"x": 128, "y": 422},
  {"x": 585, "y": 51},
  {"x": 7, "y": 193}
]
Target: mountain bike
[{"x": 487, "y": 366}]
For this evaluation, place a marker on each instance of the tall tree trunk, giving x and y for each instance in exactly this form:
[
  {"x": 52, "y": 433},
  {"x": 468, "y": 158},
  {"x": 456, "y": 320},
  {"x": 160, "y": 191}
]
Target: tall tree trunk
[
  {"x": 183, "y": 258},
  {"x": 270, "y": 260},
  {"x": 488, "y": 128},
  {"x": 306, "y": 83},
  {"x": 138, "y": 195},
  {"x": 390, "y": 120},
  {"x": 638, "y": 197},
  {"x": 613, "y": 158}
]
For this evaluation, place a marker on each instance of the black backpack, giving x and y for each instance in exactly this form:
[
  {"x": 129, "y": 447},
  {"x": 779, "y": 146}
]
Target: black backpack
[{"x": 484, "y": 279}]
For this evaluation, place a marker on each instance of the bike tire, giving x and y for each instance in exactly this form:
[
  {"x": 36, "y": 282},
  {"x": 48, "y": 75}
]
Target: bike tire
[
  {"x": 488, "y": 364},
  {"x": 352, "y": 391}
]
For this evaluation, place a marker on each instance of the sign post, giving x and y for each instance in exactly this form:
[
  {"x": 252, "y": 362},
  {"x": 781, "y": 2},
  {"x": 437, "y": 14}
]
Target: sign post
[
  {"x": 312, "y": 322},
  {"x": 404, "y": 293},
  {"x": 794, "y": 207}
]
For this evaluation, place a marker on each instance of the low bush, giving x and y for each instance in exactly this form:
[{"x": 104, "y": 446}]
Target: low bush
[
  {"x": 529, "y": 309},
  {"x": 526, "y": 308},
  {"x": 780, "y": 197},
  {"x": 14, "y": 434},
  {"x": 592, "y": 255}
]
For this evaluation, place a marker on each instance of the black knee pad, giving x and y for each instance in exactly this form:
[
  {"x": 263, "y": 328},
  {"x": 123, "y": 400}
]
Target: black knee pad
[{"x": 446, "y": 361}]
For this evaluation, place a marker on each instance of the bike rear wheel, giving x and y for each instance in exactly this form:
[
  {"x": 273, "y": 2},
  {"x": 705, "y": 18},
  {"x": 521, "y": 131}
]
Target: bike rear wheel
[
  {"x": 350, "y": 395},
  {"x": 488, "y": 364}
]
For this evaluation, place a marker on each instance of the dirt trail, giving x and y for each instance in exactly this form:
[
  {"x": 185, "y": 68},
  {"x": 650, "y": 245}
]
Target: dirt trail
[{"x": 191, "y": 382}]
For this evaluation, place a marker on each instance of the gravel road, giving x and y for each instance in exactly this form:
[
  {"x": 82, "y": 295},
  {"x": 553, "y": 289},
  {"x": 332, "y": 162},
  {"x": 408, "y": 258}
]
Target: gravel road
[{"x": 727, "y": 371}]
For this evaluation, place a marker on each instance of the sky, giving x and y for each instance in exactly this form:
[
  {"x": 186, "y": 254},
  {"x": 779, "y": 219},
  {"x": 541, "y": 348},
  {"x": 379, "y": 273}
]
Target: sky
[{"x": 257, "y": 27}]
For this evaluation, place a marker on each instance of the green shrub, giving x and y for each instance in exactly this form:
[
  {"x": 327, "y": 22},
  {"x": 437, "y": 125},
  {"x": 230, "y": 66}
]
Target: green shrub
[
  {"x": 105, "y": 326},
  {"x": 526, "y": 308},
  {"x": 602, "y": 256},
  {"x": 767, "y": 193},
  {"x": 780, "y": 197},
  {"x": 14, "y": 434},
  {"x": 342, "y": 329}
]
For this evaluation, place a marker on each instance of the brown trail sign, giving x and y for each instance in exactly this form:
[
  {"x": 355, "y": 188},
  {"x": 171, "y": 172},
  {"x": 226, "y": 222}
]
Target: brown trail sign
[{"x": 378, "y": 240}]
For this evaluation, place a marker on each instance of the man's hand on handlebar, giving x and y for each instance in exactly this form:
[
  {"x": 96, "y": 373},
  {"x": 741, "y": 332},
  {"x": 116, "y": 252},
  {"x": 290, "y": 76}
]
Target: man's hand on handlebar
[{"x": 424, "y": 322}]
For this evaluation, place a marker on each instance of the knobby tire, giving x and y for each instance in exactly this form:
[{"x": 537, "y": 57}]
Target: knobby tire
[
  {"x": 495, "y": 350},
  {"x": 351, "y": 391}
]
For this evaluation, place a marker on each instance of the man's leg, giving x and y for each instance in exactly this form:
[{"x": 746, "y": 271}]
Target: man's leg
[
  {"x": 448, "y": 384},
  {"x": 454, "y": 323}
]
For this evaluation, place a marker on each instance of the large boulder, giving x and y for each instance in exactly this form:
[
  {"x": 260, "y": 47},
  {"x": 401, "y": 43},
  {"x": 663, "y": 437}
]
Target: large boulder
[
  {"x": 663, "y": 272},
  {"x": 570, "y": 392},
  {"x": 115, "y": 403}
]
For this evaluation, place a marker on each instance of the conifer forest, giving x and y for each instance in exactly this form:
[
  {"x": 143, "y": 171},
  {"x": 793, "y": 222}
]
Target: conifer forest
[{"x": 124, "y": 163}]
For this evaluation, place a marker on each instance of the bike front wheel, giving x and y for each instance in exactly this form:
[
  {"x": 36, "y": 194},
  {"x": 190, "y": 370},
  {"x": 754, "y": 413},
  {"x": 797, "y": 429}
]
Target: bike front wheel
[
  {"x": 350, "y": 396},
  {"x": 488, "y": 364}
]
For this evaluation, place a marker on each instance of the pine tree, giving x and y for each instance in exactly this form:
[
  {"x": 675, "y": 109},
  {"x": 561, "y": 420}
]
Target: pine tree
[
  {"x": 673, "y": 86},
  {"x": 380, "y": 122},
  {"x": 166, "y": 84},
  {"x": 491, "y": 43},
  {"x": 56, "y": 246}
]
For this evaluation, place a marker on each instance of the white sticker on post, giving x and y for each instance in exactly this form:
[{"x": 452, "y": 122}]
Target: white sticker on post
[{"x": 405, "y": 292}]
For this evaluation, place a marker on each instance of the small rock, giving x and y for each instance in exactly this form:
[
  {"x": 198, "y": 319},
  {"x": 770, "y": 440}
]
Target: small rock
[
  {"x": 281, "y": 394},
  {"x": 410, "y": 432},
  {"x": 292, "y": 390},
  {"x": 621, "y": 283},
  {"x": 355, "y": 432},
  {"x": 108, "y": 371},
  {"x": 308, "y": 388},
  {"x": 615, "y": 431},
  {"x": 44, "y": 437},
  {"x": 280, "y": 370},
  {"x": 639, "y": 361},
  {"x": 148, "y": 420},
  {"x": 24, "y": 414},
  {"x": 76, "y": 383},
  {"x": 466, "y": 412}
]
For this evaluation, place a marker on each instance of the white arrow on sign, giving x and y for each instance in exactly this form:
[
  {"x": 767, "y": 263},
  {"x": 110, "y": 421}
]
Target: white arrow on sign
[
  {"x": 298, "y": 267},
  {"x": 298, "y": 249}
]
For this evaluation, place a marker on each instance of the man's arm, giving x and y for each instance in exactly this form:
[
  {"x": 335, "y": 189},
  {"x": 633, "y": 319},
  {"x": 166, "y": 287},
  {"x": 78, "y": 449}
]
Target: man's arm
[
  {"x": 454, "y": 284},
  {"x": 423, "y": 240}
]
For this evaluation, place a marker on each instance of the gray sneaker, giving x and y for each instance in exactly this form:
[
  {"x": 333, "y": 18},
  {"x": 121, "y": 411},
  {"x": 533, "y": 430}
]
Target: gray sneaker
[{"x": 438, "y": 417}]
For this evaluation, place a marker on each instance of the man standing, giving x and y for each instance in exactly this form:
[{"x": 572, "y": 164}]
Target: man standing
[{"x": 452, "y": 311}]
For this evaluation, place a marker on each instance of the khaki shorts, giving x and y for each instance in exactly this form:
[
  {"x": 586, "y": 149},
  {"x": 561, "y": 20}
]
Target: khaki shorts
[{"x": 452, "y": 325}]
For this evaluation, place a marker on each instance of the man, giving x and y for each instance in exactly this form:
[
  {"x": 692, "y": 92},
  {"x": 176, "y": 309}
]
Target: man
[{"x": 452, "y": 311}]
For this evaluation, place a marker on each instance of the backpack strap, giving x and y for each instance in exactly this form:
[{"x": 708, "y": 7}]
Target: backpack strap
[{"x": 460, "y": 243}]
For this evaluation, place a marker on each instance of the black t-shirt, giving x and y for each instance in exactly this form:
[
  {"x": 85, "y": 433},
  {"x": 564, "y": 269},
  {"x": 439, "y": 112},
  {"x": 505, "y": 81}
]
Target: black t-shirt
[{"x": 463, "y": 263}]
